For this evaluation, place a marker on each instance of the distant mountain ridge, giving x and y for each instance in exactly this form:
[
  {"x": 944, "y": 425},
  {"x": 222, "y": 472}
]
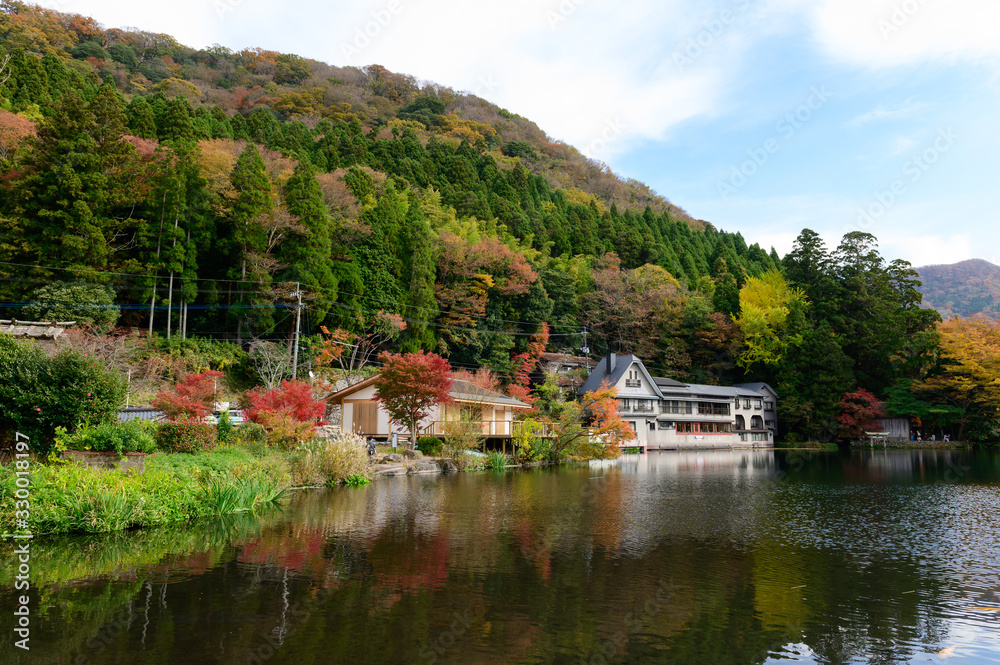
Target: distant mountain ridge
[{"x": 962, "y": 289}]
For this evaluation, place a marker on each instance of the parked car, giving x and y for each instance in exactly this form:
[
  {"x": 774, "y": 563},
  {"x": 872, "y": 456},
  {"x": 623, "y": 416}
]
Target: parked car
[{"x": 236, "y": 417}]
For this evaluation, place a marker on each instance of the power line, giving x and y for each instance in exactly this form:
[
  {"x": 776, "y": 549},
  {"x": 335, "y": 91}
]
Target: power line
[{"x": 332, "y": 293}]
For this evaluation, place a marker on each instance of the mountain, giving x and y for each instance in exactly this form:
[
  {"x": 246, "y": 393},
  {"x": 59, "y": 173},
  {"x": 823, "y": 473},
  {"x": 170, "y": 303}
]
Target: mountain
[
  {"x": 197, "y": 188},
  {"x": 296, "y": 89},
  {"x": 962, "y": 289}
]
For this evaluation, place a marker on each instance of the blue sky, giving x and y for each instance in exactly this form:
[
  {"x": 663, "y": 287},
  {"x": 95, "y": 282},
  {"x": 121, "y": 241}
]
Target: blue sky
[{"x": 760, "y": 116}]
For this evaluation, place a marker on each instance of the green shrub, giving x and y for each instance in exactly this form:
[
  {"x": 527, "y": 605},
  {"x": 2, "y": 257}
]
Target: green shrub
[
  {"x": 357, "y": 480},
  {"x": 528, "y": 447},
  {"x": 176, "y": 357},
  {"x": 252, "y": 436},
  {"x": 186, "y": 437},
  {"x": 94, "y": 303},
  {"x": 134, "y": 436},
  {"x": 430, "y": 445},
  {"x": 39, "y": 394},
  {"x": 224, "y": 428}
]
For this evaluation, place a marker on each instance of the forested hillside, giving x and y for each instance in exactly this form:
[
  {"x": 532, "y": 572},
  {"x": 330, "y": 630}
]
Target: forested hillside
[
  {"x": 204, "y": 179},
  {"x": 187, "y": 192},
  {"x": 962, "y": 289}
]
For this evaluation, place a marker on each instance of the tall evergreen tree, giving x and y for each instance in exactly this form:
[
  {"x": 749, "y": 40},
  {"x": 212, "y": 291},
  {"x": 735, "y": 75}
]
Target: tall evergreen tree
[
  {"x": 140, "y": 119},
  {"x": 421, "y": 307},
  {"x": 247, "y": 240},
  {"x": 308, "y": 256}
]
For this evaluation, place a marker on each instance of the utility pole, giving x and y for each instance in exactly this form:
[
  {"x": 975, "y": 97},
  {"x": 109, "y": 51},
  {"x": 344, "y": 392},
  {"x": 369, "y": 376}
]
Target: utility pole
[
  {"x": 586, "y": 349},
  {"x": 298, "y": 328}
]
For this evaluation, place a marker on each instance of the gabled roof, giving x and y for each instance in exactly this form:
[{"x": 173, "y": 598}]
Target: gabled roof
[
  {"x": 461, "y": 391},
  {"x": 622, "y": 365},
  {"x": 756, "y": 387},
  {"x": 349, "y": 390},
  {"x": 665, "y": 387}
]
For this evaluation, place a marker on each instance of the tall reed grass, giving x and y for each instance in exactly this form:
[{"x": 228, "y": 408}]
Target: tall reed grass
[{"x": 330, "y": 461}]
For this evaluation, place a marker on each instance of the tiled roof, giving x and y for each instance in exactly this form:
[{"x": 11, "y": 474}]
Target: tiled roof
[{"x": 34, "y": 329}]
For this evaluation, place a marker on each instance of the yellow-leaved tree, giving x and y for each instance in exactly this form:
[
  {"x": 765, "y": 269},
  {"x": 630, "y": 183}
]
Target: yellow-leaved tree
[
  {"x": 765, "y": 303},
  {"x": 969, "y": 373}
]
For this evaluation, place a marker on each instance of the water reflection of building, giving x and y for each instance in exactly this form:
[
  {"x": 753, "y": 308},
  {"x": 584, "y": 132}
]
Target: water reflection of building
[{"x": 721, "y": 462}]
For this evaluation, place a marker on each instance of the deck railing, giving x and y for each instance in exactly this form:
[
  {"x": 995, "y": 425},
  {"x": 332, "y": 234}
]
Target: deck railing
[{"x": 490, "y": 428}]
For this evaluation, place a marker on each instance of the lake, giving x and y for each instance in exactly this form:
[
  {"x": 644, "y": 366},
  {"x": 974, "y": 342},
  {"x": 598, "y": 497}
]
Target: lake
[{"x": 675, "y": 557}]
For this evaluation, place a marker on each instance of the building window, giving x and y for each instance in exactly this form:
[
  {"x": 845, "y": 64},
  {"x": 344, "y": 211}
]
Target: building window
[
  {"x": 769, "y": 406},
  {"x": 737, "y": 402},
  {"x": 741, "y": 423},
  {"x": 685, "y": 428},
  {"x": 746, "y": 404},
  {"x": 712, "y": 409},
  {"x": 714, "y": 428},
  {"x": 756, "y": 423},
  {"x": 675, "y": 406},
  {"x": 623, "y": 404},
  {"x": 633, "y": 379},
  {"x": 758, "y": 404},
  {"x": 666, "y": 424}
]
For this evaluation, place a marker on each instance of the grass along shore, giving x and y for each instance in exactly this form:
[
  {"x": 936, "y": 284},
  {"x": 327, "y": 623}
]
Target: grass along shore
[{"x": 176, "y": 487}]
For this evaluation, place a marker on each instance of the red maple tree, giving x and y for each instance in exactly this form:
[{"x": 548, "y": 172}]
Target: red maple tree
[
  {"x": 859, "y": 413},
  {"x": 410, "y": 385},
  {"x": 192, "y": 399},
  {"x": 293, "y": 399},
  {"x": 526, "y": 363},
  {"x": 288, "y": 412}
]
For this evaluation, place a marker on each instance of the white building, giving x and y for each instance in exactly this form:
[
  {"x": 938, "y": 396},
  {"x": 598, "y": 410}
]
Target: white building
[{"x": 668, "y": 414}]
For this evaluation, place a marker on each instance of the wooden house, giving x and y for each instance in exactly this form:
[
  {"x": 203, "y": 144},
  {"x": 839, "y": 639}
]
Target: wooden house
[{"x": 494, "y": 413}]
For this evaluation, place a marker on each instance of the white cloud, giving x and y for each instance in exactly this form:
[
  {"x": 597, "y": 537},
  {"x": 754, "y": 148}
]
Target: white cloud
[
  {"x": 781, "y": 242},
  {"x": 927, "y": 250},
  {"x": 600, "y": 78},
  {"x": 882, "y": 112},
  {"x": 886, "y": 33},
  {"x": 902, "y": 144},
  {"x": 190, "y": 22},
  {"x": 584, "y": 71}
]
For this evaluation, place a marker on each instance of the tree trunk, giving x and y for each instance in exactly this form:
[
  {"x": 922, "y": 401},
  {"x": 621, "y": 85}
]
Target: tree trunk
[{"x": 156, "y": 273}]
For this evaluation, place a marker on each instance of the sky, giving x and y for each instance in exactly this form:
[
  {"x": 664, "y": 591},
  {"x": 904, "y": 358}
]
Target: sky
[{"x": 760, "y": 116}]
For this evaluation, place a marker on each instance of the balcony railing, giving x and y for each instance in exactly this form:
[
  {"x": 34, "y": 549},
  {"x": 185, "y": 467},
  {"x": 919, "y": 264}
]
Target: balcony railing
[{"x": 489, "y": 428}]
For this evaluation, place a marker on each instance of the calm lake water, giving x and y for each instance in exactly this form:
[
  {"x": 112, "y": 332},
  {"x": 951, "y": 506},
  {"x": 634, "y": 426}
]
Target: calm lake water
[{"x": 716, "y": 557}]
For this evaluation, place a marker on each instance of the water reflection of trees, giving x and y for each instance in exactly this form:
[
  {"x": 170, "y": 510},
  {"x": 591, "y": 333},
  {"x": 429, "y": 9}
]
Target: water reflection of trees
[{"x": 550, "y": 566}]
